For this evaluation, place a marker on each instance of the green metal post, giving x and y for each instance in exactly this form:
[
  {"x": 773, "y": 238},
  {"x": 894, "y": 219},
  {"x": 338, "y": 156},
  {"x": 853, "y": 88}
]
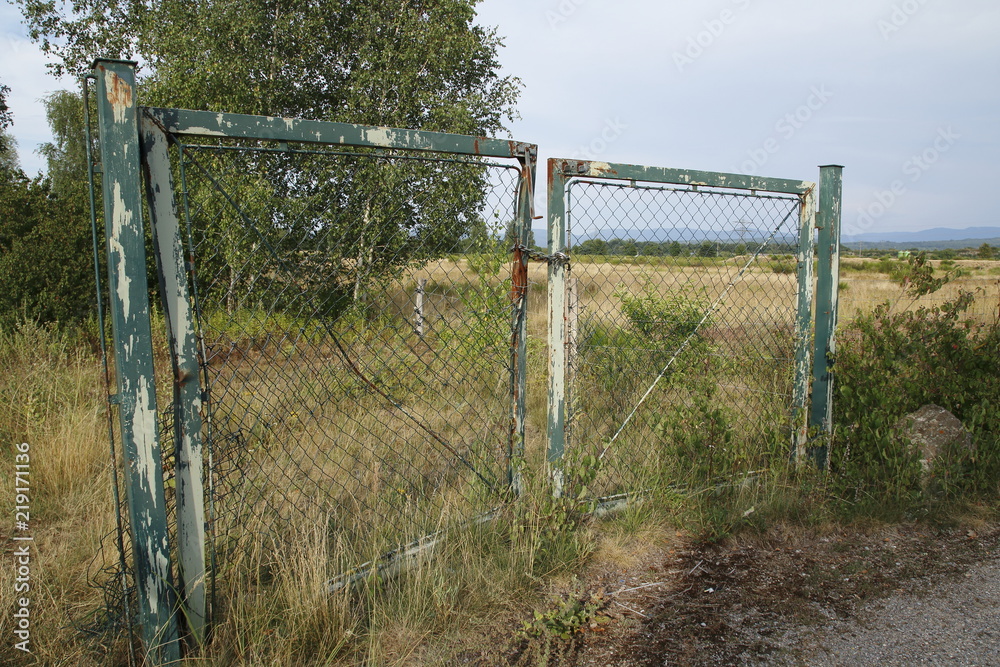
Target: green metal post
[
  {"x": 827, "y": 284},
  {"x": 519, "y": 297},
  {"x": 803, "y": 328},
  {"x": 129, "y": 305},
  {"x": 557, "y": 324},
  {"x": 190, "y": 492}
]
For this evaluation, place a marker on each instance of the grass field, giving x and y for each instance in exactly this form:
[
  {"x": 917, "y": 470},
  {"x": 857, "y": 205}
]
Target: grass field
[{"x": 316, "y": 474}]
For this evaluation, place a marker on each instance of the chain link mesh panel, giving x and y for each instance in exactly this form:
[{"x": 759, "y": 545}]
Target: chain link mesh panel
[
  {"x": 354, "y": 322},
  {"x": 682, "y": 309}
]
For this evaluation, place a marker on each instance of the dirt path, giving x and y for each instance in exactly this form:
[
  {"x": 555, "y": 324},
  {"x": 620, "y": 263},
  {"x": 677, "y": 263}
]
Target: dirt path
[{"x": 905, "y": 595}]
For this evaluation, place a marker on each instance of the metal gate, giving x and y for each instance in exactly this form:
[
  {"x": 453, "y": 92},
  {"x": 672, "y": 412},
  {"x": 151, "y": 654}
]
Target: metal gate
[
  {"x": 680, "y": 331},
  {"x": 341, "y": 336},
  {"x": 344, "y": 342}
]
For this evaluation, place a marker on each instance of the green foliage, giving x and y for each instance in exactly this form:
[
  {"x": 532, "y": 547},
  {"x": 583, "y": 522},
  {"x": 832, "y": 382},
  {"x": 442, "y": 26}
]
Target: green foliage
[
  {"x": 617, "y": 247},
  {"x": 46, "y": 271},
  {"x": 890, "y": 364},
  {"x": 362, "y": 62},
  {"x": 708, "y": 249},
  {"x": 485, "y": 251},
  {"x": 567, "y": 615},
  {"x": 6, "y": 144},
  {"x": 5, "y": 119},
  {"x": 698, "y": 439},
  {"x": 46, "y": 248},
  {"x": 483, "y": 328},
  {"x": 665, "y": 319},
  {"x": 617, "y": 359},
  {"x": 592, "y": 247},
  {"x": 986, "y": 251},
  {"x": 353, "y": 222},
  {"x": 917, "y": 276},
  {"x": 783, "y": 266}
]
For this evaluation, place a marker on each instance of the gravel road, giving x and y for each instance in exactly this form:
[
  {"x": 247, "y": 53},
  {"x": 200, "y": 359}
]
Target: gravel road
[
  {"x": 950, "y": 620},
  {"x": 906, "y": 594}
]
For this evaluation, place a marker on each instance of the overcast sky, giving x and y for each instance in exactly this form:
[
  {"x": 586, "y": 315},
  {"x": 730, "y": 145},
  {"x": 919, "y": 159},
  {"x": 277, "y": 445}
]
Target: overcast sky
[{"x": 904, "y": 93}]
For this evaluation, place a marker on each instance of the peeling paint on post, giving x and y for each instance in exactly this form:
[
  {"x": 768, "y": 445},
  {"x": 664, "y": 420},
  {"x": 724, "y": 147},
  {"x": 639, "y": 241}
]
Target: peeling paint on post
[
  {"x": 519, "y": 323},
  {"x": 631, "y": 172},
  {"x": 827, "y": 286},
  {"x": 205, "y": 123},
  {"x": 129, "y": 305},
  {"x": 190, "y": 493},
  {"x": 557, "y": 324},
  {"x": 803, "y": 329},
  {"x": 418, "y": 308},
  {"x": 562, "y": 171}
]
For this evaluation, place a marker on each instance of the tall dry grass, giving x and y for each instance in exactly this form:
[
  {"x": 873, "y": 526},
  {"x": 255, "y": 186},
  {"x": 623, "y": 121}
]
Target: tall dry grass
[
  {"x": 52, "y": 390},
  {"x": 273, "y": 604}
]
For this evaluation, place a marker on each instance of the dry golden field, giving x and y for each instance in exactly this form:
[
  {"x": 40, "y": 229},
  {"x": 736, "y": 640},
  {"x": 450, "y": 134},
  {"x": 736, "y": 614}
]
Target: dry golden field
[{"x": 286, "y": 546}]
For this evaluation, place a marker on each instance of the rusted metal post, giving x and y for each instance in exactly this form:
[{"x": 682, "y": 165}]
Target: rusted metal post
[
  {"x": 557, "y": 324},
  {"x": 803, "y": 328},
  {"x": 827, "y": 286},
  {"x": 518, "y": 299},
  {"x": 519, "y": 314},
  {"x": 418, "y": 307},
  {"x": 174, "y": 291},
  {"x": 129, "y": 305}
]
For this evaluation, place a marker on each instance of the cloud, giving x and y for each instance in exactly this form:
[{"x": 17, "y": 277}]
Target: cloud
[
  {"x": 22, "y": 68},
  {"x": 615, "y": 60}
]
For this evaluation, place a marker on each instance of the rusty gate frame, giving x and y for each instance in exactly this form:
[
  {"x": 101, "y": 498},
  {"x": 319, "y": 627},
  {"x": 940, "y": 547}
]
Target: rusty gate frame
[
  {"x": 134, "y": 143},
  {"x": 812, "y": 400}
]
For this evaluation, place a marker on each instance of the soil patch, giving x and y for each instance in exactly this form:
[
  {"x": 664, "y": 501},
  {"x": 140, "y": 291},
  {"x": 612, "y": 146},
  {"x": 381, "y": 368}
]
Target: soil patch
[{"x": 752, "y": 600}]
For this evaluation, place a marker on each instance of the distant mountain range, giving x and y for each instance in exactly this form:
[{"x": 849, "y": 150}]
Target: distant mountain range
[{"x": 982, "y": 234}]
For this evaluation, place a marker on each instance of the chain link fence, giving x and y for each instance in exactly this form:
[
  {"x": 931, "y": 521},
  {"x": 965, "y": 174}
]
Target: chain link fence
[
  {"x": 354, "y": 317},
  {"x": 344, "y": 329},
  {"x": 354, "y": 348},
  {"x": 682, "y": 329}
]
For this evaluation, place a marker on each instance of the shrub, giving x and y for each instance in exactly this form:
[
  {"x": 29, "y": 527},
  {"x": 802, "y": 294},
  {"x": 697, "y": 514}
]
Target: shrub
[
  {"x": 667, "y": 319},
  {"x": 784, "y": 266},
  {"x": 891, "y": 364}
]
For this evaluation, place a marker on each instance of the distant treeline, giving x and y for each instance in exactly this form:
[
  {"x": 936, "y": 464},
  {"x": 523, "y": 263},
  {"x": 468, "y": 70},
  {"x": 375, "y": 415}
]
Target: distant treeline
[
  {"x": 631, "y": 247},
  {"x": 984, "y": 251}
]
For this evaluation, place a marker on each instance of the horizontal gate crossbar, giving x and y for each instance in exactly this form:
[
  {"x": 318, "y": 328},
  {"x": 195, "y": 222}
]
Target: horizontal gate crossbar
[
  {"x": 708, "y": 179},
  {"x": 241, "y": 126}
]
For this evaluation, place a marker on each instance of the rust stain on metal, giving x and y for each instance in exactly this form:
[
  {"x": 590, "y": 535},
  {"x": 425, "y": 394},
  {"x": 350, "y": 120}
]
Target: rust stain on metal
[
  {"x": 555, "y": 168},
  {"x": 519, "y": 276},
  {"x": 119, "y": 95}
]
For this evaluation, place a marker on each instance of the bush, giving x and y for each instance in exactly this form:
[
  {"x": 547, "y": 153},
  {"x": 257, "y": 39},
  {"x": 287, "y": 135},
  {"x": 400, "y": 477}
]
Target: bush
[
  {"x": 784, "y": 266},
  {"x": 891, "y": 364},
  {"x": 46, "y": 265},
  {"x": 668, "y": 319}
]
